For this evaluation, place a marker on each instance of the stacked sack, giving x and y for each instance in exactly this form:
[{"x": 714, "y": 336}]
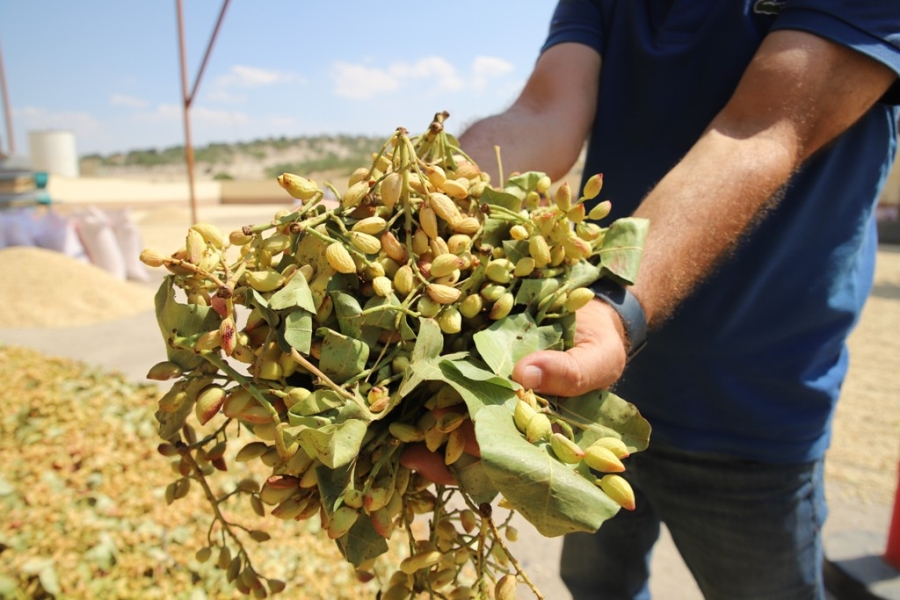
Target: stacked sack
[{"x": 107, "y": 239}]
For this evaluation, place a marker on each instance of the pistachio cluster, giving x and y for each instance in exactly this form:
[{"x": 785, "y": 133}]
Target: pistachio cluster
[{"x": 311, "y": 332}]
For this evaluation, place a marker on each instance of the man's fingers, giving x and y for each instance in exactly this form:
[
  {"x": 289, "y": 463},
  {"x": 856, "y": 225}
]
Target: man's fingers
[
  {"x": 594, "y": 363},
  {"x": 471, "y": 445},
  {"x": 430, "y": 465},
  {"x": 571, "y": 373},
  {"x": 467, "y": 427}
]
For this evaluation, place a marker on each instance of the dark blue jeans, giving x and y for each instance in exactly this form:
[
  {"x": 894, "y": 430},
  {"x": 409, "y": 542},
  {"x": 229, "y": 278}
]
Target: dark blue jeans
[{"x": 746, "y": 530}]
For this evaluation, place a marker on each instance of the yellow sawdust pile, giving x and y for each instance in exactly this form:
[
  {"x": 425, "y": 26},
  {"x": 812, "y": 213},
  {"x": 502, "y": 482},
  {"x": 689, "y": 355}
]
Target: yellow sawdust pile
[{"x": 44, "y": 288}]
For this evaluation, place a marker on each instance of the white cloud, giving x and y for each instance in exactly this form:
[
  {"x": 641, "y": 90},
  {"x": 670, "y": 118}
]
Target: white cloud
[
  {"x": 154, "y": 126},
  {"x": 162, "y": 112},
  {"x": 431, "y": 67},
  {"x": 218, "y": 117},
  {"x": 359, "y": 82},
  {"x": 243, "y": 76},
  {"x": 36, "y": 118},
  {"x": 129, "y": 101},
  {"x": 224, "y": 96},
  {"x": 281, "y": 121},
  {"x": 199, "y": 114},
  {"x": 432, "y": 73},
  {"x": 488, "y": 67}
]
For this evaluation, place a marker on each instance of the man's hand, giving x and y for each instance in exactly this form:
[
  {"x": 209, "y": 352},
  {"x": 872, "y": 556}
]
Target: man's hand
[
  {"x": 595, "y": 362},
  {"x": 430, "y": 465}
]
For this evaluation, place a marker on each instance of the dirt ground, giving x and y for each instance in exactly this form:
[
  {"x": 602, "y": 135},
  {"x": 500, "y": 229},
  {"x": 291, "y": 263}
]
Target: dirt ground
[{"x": 866, "y": 443}]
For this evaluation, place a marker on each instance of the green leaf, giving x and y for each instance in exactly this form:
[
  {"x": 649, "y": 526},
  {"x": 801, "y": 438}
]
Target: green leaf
[
  {"x": 477, "y": 394},
  {"x": 348, "y": 311},
  {"x": 334, "y": 445},
  {"x": 505, "y": 199},
  {"x": 182, "y": 320},
  {"x": 9, "y": 588},
  {"x": 429, "y": 342},
  {"x": 548, "y": 493},
  {"x": 295, "y": 294},
  {"x": 311, "y": 251},
  {"x": 515, "y": 250},
  {"x": 526, "y": 181},
  {"x": 342, "y": 357},
  {"x": 317, "y": 402},
  {"x": 429, "y": 369},
  {"x": 257, "y": 300},
  {"x": 418, "y": 371},
  {"x": 298, "y": 330},
  {"x": 406, "y": 332},
  {"x": 623, "y": 244},
  {"x": 170, "y": 423},
  {"x": 362, "y": 542},
  {"x": 601, "y": 414},
  {"x": 103, "y": 554},
  {"x": 386, "y": 318},
  {"x": 469, "y": 472},
  {"x": 567, "y": 322},
  {"x": 550, "y": 337},
  {"x": 49, "y": 581},
  {"x": 475, "y": 370},
  {"x": 506, "y": 341},
  {"x": 532, "y": 291},
  {"x": 331, "y": 484},
  {"x": 494, "y": 231},
  {"x": 582, "y": 274},
  {"x": 423, "y": 361}
]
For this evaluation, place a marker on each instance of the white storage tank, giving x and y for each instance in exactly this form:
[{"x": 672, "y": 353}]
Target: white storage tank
[{"x": 54, "y": 151}]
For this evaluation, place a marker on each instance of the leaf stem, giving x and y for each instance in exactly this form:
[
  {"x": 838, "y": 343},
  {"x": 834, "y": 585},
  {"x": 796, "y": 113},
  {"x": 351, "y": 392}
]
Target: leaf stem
[
  {"x": 303, "y": 362},
  {"x": 498, "y": 539},
  {"x": 244, "y": 382},
  {"x": 213, "y": 501}
]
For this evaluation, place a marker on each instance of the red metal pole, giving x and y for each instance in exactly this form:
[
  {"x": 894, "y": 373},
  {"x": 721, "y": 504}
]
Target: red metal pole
[
  {"x": 212, "y": 40},
  {"x": 7, "y": 110},
  {"x": 188, "y": 97},
  {"x": 892, "y": 553},
  {"x": 186, "y": 106}
]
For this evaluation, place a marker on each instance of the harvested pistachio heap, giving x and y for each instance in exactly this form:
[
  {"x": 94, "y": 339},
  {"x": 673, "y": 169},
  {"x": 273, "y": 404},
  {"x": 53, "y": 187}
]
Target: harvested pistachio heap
[{"x": 333, "y": 338}]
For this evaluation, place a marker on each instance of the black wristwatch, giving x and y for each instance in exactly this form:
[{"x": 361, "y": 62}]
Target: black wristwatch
[{"x": 629, "y": 309}]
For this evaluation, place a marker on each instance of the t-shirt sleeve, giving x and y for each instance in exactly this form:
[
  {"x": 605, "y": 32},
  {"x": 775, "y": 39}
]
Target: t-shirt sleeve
[
  {"x": 576, "y": 21},
  {"x": 871, "y": 27}
]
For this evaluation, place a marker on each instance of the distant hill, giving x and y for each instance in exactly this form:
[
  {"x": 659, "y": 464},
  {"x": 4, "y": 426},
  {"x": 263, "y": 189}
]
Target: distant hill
[{"x": 259, "y": 159}]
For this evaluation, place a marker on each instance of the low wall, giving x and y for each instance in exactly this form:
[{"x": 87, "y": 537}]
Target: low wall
[
  {"x": 123, "y": 192},
  {"x": 891, "y": 194},
  {"x": 127, "y": 192},
  {"x": 263, "y": 191}
]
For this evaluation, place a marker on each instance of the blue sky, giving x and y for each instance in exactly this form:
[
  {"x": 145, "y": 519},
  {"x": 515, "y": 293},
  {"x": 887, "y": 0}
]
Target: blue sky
[{"x": 109, "y": 70}]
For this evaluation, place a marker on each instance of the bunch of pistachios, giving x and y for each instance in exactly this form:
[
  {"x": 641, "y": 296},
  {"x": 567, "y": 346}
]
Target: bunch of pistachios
[{"x": 347, "y": 329}]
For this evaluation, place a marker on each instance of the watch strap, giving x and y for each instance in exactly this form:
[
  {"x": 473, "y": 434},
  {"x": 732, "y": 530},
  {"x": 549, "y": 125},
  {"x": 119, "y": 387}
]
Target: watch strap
[{"x": 629, "y": 309}]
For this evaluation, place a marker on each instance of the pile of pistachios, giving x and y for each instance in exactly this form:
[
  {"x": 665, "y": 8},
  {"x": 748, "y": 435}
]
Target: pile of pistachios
[{"x": 325, "y": 342}]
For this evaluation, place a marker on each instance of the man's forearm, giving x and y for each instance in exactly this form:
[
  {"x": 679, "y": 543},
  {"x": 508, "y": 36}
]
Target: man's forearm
[
  {"x": 546, "y": 127},
  {"x": 787, "y": 106},
  {"x": 520, "y": 137},
  {"x": 699, "y": 212}
]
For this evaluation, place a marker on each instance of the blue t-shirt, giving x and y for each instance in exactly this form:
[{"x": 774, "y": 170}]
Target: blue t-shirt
[{"x": 752, "y": 363}]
